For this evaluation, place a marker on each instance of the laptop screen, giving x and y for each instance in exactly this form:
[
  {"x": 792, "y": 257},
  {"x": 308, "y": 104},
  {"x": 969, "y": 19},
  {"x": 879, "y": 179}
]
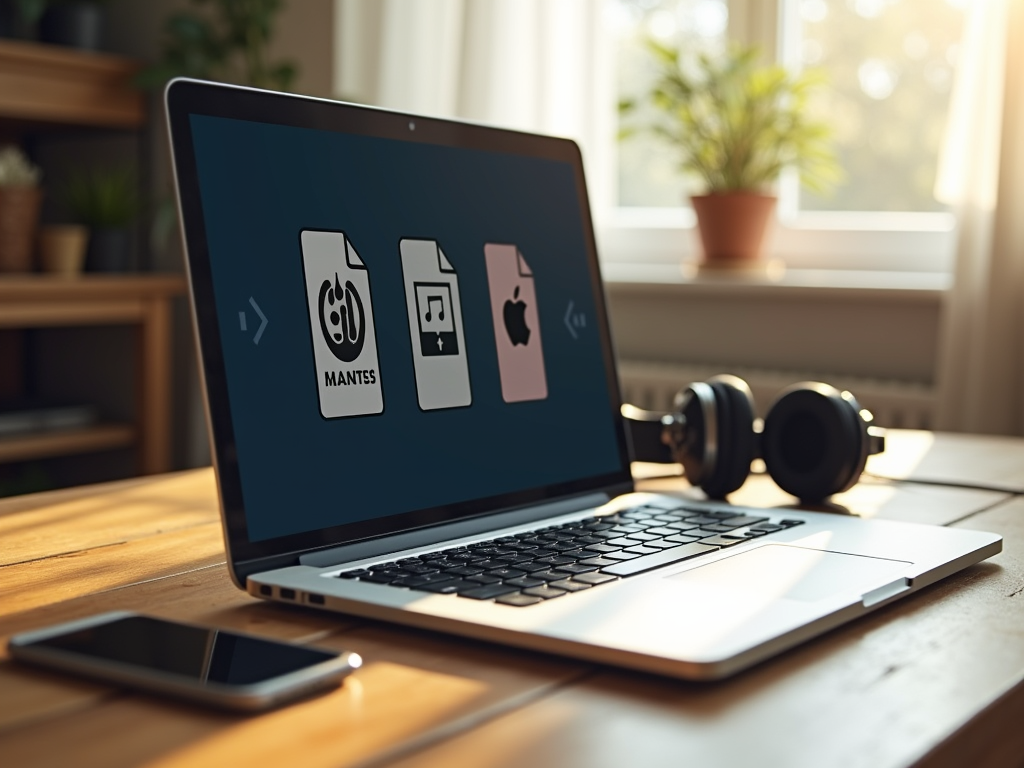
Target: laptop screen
[{"x": 402, "y": 324}]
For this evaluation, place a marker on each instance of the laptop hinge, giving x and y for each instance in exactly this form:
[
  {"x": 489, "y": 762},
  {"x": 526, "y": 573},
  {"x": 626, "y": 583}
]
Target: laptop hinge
[{"x": 449, "y": 531}]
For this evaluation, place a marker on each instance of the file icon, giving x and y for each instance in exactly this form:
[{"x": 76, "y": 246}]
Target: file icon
[
  {"x": 516, "y": 324},
  {"x": 341, "y": 326},
  {"x": 435, "y": 326}
]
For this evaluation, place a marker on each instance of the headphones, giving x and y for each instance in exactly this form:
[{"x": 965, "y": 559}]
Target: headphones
[{"x": 815, "y": 440}]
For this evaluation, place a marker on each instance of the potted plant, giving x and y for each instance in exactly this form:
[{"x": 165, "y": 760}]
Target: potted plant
[
  {"x": 223, "y": 40},
  {"x": 736, "y": 125},
  {"x": 107, "y": 202},
  {"x": 20, "y": 199}
]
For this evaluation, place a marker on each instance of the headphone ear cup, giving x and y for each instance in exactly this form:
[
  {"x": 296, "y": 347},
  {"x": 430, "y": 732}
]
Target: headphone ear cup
[
  {"x": 815, "y": 441},
  {"x": 735, "y": 433}
]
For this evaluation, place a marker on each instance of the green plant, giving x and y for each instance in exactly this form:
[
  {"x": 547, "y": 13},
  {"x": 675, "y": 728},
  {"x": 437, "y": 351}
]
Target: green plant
[
  {"x": 102, "y": 199},
  {"x": 735, "y": 123},
  {"x": 221, "y": 40},
  {"x": 16, "y": 170}
]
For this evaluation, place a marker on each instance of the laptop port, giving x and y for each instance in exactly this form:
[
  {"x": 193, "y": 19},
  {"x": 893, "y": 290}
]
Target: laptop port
[
  {"x": 266, "y": 590},
  {"x": 315, "y": 599},
  {"x": 287, "y": 594}
]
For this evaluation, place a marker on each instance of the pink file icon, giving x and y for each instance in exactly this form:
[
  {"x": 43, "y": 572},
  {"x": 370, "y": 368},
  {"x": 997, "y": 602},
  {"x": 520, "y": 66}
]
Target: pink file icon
[{"x": 516, "y": 324}]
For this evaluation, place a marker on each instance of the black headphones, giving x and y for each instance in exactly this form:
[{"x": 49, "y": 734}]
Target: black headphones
[{"x": 814, "y": 442}]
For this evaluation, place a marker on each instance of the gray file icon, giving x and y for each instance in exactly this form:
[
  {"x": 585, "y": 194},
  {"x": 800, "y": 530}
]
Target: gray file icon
[
  {"x": 341, "y": 326},
  {"x": 435, "y": 326}
]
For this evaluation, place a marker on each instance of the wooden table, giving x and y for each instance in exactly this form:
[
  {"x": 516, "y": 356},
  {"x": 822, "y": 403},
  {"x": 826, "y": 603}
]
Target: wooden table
[{"x": 936, "y": 679}]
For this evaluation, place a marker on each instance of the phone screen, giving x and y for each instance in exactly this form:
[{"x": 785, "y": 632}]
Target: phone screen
[{"x": 202, "y": 655}]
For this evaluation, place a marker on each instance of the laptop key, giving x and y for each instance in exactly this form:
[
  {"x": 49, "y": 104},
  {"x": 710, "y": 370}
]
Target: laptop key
[
  {"x": 744, "y": 520},
  {"x": 519, "y": 600},
  {"x": 419, "y": 581},
  {"x": 353, "y": 574},
  {"x": 683, "y": 526},
  {"x": 661, "y": 531},
  {"x": 464, "y": 570},
  {"x": 720, "y": 527},
  {"x": 546, "y": 592},
  {"x": 602, "y": 548},
  {"x": 381, "y": 578},
  {"x": 571, "y": 586},
  {"x": 598, "y": 562},
  {"x": 447, "y": 587},
  {"x": 534, "y": 566},
  {"x": 658, "y": 559},
  {"x": 594, "y": 578},
  {"x": 525, "y": 581},
  {"x": 623, "y": 555},
  {"x": 489, "y": 592},
  {"x": 642, "y": 550},
  {"x": 576, "y": 568},
  {"x": 723, "y": 541},
  {"x": 622, "y": 542},
  {"x": 506, "y": 573},
  {"x": 418, "y": 570},
  {"x": 681, "y": 538},
  {"x": 547, "y": 575},
  {"x": 556, "y": 560},
  {"x": 483, "y": 578},
  {"x": 661, "y": 544}
]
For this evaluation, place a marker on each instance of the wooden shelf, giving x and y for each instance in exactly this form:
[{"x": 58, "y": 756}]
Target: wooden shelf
[
  {"x": 54, "y": 85},
  {"x": 65, "y": 442}
]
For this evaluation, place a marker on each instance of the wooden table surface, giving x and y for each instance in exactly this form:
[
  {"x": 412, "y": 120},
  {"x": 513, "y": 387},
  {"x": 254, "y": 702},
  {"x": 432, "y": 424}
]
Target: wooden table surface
[{"x": 935, "y": 679}]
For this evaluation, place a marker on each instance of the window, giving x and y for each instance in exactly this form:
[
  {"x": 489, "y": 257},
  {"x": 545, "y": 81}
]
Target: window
[{"x": 890, "y": 65}]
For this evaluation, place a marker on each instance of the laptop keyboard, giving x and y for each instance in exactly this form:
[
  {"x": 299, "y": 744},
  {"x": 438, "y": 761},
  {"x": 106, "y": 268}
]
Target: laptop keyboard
[{"x": 546, "y": 563}]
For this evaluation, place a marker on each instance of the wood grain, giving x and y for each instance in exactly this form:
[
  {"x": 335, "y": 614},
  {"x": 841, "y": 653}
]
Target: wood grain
[
  {"x": 55, "y": 84},
  {"x": 65, "y": 442},
  {"x": 935, "y": 678},
  {"x": 413, "y": 684},
  {"x": 74, "y": 520},
  {"x": 38, "y": 582}
]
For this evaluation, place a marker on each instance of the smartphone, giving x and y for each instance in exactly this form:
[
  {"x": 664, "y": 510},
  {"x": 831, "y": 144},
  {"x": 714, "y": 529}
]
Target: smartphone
[{"x": 212, "y": 666}]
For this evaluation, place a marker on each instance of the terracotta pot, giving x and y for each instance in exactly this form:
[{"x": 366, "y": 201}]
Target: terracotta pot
[
  {"x": 19, "y": 218},
  {"x": 62, "y": 249},
  {"x": 733, "y": 226}
]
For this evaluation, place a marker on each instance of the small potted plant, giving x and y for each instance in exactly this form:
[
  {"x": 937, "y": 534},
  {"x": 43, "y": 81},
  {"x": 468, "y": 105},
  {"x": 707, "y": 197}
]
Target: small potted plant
[
  {"x": 20, "y": 199},
  {"x": 107, "y": 202},
  {"x": 735, "y": 125}
]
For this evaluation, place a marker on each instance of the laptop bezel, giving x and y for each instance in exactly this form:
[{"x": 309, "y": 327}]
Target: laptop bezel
[{"x": 184, "y": 98}]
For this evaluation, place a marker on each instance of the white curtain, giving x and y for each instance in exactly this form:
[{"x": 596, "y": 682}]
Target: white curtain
[
  {"x": 981, "y": 362},
  {"x": 534, "y": 65}
]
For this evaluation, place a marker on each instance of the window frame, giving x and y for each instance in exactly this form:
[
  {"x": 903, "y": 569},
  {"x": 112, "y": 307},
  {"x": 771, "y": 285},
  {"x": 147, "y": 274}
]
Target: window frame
[{"x": 875, "y": 241}]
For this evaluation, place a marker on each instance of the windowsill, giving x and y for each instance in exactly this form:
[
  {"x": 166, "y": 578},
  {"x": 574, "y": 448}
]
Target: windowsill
[{"x": 621, "y": 277}]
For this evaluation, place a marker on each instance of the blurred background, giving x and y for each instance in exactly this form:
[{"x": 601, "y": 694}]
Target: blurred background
[{"x": 900, "y": 284}]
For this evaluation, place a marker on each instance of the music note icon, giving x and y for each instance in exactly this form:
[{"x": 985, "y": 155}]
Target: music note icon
[
  {"x": 437, "y": 333},
  {"x": 430, "y": 302}
]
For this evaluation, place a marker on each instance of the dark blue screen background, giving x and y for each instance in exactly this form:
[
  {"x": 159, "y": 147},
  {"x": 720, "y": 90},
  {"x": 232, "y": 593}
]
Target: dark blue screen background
[{"x": 261, "y": 185}]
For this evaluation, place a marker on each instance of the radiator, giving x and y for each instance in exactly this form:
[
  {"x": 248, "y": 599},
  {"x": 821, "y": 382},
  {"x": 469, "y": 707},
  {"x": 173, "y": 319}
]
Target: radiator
[{"x": 894, "y": 403}]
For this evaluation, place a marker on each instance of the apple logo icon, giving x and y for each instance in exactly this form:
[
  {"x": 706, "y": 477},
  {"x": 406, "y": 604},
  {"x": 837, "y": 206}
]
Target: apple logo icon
[{"x": 515, "y": 320}]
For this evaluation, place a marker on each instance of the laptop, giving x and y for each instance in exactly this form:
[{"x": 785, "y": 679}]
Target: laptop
[{"x": 415, "y": 412}]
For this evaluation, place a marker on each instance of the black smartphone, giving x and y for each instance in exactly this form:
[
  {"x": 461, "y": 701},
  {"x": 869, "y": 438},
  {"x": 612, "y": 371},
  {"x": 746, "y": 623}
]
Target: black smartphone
[{"x": 213, "y": 666}]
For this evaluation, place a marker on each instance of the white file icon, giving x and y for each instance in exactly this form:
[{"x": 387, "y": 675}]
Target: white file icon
[
  {"x": 341, "y": 326},
  {"x": 435, "y": 326}
]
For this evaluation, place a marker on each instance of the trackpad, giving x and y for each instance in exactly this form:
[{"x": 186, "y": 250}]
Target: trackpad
[{"x": 797, "y": 573}]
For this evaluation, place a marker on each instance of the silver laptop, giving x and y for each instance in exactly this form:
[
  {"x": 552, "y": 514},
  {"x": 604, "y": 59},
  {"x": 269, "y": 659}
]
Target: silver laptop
[{"x": 414, "y": 405}]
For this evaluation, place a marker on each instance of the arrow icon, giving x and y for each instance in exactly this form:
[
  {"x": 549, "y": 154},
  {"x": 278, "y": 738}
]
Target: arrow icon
[
  {"x": 572, "y": 322},
  {"x": 263, "y": 321}
]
